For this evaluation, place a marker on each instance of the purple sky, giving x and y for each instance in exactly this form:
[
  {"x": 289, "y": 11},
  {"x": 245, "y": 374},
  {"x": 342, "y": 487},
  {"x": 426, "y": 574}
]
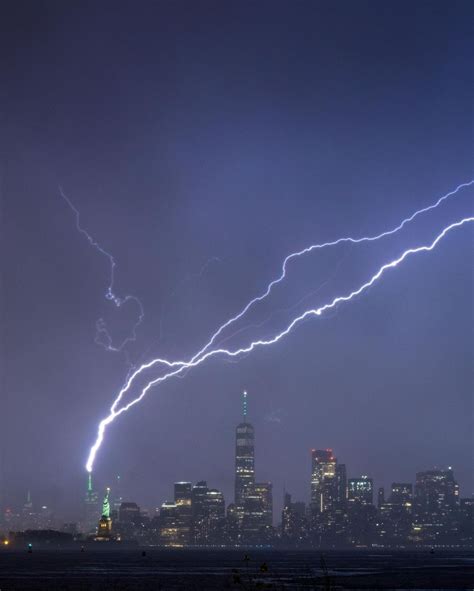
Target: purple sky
[{"x": 190, "y": 130}]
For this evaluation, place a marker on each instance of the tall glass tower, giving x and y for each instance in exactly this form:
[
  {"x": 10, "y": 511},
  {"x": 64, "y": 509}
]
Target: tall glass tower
[
  {"x": 323, "y": 480},
  {"x": 244, "y": 457}
]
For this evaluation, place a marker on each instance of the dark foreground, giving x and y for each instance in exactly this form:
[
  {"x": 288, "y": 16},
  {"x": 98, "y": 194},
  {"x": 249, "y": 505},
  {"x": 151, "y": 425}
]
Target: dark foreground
[{"x": 223, "y": 569}]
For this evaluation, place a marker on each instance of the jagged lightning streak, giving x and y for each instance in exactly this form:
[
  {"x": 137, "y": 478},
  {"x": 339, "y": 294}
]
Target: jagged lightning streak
[
  {"x": 261, "y": 343},
  {"x": 288, "y": 309},
  {"x": 281, "y": 277},
  {"x": 312, "y": 247},
  {"x": 133, "y": 374},
  {"x": 102, "y": 336}
]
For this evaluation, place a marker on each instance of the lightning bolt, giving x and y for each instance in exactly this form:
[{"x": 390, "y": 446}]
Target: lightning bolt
[
  {"x": 281, "y": 277},
  {"x": 288, "y": 309},
  {"x": 312, "y": 247},
  {"x": 179, "y": 366},
  {"x": 102, "y": 336}
]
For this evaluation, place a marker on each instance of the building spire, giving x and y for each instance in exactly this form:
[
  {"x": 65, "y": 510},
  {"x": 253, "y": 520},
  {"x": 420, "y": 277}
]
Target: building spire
[
  {"x": 89, "y": 483},
  {"x": 244, "y": 405}
]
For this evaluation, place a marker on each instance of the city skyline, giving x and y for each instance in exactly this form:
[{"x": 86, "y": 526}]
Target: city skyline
[
  {"x": 328, "y": 483},
  {"x": 343, "y": 511},
  {"x": 236, "y": 294},
  {"x": 198, "y": 149}
]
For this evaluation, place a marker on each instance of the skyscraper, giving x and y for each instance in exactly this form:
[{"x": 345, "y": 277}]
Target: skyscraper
[
  {"x": 436, "y": 505},
  {"x": 200, "y": 511},
  {"x": 264, "y": 490},
  {"x": 341, "y": 485},
  {"x": 323, "y": 479},
  {"x": 361, "y": 490},
  {"x": 183, "y": 502},
  {"x": 244, "y": 457},
  {"x": 129, "y": 513},
  {"x": 401, "y": 492},
  {"x": 380, "y": 497},
  {"x": 117, "y": 496},
  {"x": 361, "y": 511},
  {"x": 395, "y": 516},
  {"x": 293, "y": 522},
  {"x": 340, "y": 506},
  {"x": 253, "y": 519},
  {"x": 91, "y": 507},
  {"x": 436, "y": 491},
  {"x": 326, "y": 486},
  {"x": 466, "y": 521},
  {"x": 169, "y": 531},
  {"x": 215, "y": 516}
]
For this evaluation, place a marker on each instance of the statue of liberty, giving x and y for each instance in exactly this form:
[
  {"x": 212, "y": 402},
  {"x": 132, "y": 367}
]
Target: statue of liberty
[
  {"x": 104, "y": 531},
  {"x": 106, "y": 505}
]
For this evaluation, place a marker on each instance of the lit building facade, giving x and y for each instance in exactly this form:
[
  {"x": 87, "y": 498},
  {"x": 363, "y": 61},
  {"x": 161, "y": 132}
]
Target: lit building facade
[
  {"x": 327, "y": 516},
  {"x": 466, "y": 521},
  {"x": 200, "y": 512},
  {"x": 395, "y": 516},
  {"x": 215, "y": 504},
  {"x": 323, "y": 480},
  {"x": 168, "y": 528},
  {"x": 264, "y": 490},
  {"x": 361, "y": 512},
  {"x": 401, "y": 492},
  {"x": 253, "y": 522},
  {"x": 361, "y": 490},
  {"x": 184, "y": 511},
  {"x": 436, "y": 506},
  {"x": 294, "y": 525},
  {"x": 244, "y": 458}
]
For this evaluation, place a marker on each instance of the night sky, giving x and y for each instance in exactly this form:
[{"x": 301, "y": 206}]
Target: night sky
[{"x": 202, "y": 142}]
